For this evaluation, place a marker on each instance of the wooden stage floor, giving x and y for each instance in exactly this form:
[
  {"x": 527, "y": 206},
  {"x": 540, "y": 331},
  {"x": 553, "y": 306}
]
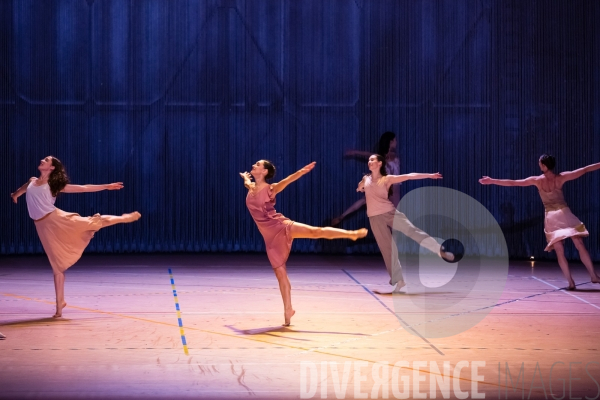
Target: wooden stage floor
[{"x": 120, "y": 336}]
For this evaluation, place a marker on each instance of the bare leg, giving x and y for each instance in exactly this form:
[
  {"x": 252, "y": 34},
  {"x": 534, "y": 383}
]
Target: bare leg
[
  {"x": 355, "y": 206},
  {"x": 302, "y": 231},
  {"x": 285, "y": 287},
  {"x": 59, "y": 288},
  {"x": 108, "y": 220},
  {"x": 564, "y": 264},
  {"x": 585, "y": 258}
]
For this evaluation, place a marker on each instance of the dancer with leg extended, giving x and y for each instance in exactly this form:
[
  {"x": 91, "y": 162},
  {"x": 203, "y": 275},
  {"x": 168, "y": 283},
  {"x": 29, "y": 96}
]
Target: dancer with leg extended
[
  {"x": 64, "y": 235},
  {"x": 382, "y": 214},
  {"x": 559, "y": 221},
  {"x": 279, "y": 231},
  {"x": 386, "y": 146}
]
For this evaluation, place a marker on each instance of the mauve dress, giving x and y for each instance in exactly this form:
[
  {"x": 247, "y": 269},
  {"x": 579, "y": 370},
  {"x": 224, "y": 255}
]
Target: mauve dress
[
  {"x": 559, "y": 222},
  {"x": 274, "y": 227}
]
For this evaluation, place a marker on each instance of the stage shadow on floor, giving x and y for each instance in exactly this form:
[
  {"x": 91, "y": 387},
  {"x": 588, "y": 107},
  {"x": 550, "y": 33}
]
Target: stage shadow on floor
[
  {"x": 284, "y": 329},
  {"x": 37, "y": 321}
]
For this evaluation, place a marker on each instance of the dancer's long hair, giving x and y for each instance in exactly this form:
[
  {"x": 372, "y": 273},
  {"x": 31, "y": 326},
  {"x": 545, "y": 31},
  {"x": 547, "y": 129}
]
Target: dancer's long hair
[
  {"x": 383, "y": 171},
  {"x": 384, "y": 143},
  {"x": 58, "y": 177},
  {"x": 268, "y": 165},
  {"x": 549, "y": 161}
]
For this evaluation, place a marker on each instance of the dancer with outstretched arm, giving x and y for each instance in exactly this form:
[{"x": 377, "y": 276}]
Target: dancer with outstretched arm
[
  {"x": 279, "y": 231},
  {"x": 387, "y": 147},
  {"x": 64, "y": 236},
  {"x": 382, "y": 213},
  {"x": 559, "y": 222}
]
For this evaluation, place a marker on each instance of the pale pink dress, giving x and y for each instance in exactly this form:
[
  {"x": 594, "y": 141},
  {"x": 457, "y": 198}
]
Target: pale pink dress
[
  {"x": 274, "y": 227},
  {"x": 64, "y": 235},
  {"x": 559, "y": 222}
]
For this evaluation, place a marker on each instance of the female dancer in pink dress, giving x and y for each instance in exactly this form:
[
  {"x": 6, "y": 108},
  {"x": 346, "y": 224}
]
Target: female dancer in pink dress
[
  {"x": 64, "y": 236},
  {"x": 383, "y": 217},
  {"x": 559, "y": 222},
  {"x": 277, "y": 230}
]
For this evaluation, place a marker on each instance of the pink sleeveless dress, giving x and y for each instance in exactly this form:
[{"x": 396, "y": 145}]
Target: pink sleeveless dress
[
  {"x": 274, "y": 227},
  {"x": 559, "y": 221}
]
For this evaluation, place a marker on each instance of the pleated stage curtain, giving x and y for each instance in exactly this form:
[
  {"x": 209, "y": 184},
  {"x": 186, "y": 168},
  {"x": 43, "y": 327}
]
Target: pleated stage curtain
[{"x": 174, "y": 98}]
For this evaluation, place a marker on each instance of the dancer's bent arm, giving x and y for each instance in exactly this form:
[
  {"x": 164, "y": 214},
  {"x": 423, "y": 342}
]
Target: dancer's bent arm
[
  {"x": 531, "y": 181},
  {"x": 361, "y": 184},
  {"x": 91, "y": 188},
  {"x": 247, "y": 181},
  {"x": 570, "y": 175},
  {"x": 20, "y": 191},
  {"x": 279, "y": 186},
  {"x": 393, "y": 179}
]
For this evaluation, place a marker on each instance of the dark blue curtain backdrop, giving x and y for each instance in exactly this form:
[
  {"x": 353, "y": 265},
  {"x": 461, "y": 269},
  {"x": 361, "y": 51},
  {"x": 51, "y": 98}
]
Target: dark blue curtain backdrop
[{"x": 174, "y": 98}]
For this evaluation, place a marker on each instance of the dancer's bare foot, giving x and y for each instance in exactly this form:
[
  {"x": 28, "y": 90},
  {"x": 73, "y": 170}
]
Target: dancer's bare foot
[
  {"x": 59, "y": 310},
  {"x": 446, "y": 256},
  {"x": 596, "y": 279},
  {"x": 399, "y": 286},
  {"x": 288, "y": 316},
  {"x": 571, "y": 286},
  {"x": 359, "y": 234},
  {"x": 132, "y": 217}
]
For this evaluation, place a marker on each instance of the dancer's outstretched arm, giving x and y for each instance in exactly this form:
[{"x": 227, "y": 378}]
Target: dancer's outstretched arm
[
  {"x": 279, "y": 186},
  {"x": 21, "y": 190},
  {"x": 531, "y": 181},
  {"x": 91, "y": 188},
  {"x": 393, "y": 179},
  {"x": 570, "y": 175}
]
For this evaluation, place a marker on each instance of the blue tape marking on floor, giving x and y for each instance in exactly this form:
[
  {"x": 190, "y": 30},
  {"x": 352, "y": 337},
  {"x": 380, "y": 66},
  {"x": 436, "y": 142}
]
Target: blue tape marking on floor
[{"x": 178, "y": 309}]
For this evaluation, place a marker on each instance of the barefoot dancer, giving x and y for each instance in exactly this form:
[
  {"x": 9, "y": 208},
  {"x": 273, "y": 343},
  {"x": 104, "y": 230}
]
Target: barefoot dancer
[
  {"x": 387, "y": 146},
  {"x": 382, "y": 214},
  {"x": 64, "y": 236},
  {"x": 559, "y": 221},
  {"x": 277, "y": 230}
]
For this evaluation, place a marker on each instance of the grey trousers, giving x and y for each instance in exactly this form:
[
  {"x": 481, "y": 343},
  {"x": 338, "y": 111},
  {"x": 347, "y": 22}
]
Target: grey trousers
[{"x": 382, "y": 225}]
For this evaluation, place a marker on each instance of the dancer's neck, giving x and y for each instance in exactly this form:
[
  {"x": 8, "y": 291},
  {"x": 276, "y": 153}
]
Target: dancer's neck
[
  {"x": 44, "y": 176},
  {"x": 259, "y": 183}
]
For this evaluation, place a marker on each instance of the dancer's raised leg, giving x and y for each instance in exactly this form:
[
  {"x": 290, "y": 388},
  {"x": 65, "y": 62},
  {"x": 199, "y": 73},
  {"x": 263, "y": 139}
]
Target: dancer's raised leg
[
  {"x": 564, "y": 264},
  {"x": 303, "y": 231},
  {"x": 402, "y": 224},
  {"x": 285, "y": 287},
  {"x": 59, "y": 288},
  {"x": 585, "y": 258},
  {"x": 108, "y": 220}
]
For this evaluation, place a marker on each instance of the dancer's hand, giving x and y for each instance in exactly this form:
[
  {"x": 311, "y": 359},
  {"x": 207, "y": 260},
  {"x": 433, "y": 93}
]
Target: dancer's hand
[
  {"x": 437, "y": 175},
  {"x": 246, "y": 176},
  {"x": 247, "y": 180},
  {"x": 114, "y": 186},
  {"x": 486, "y": 180},
  {"x": 14, "y": 197},
  {"x": 308, "y": 168}
]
